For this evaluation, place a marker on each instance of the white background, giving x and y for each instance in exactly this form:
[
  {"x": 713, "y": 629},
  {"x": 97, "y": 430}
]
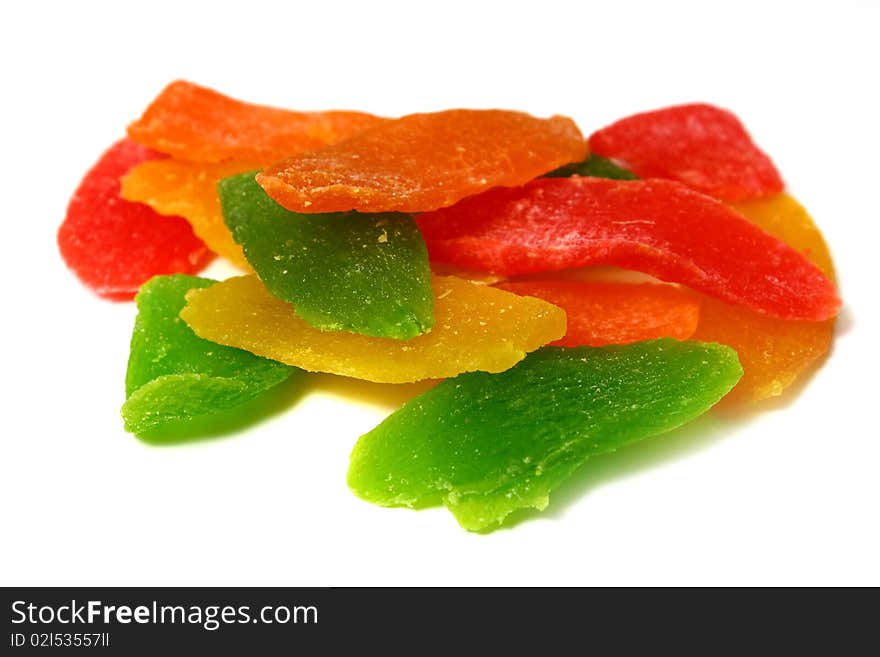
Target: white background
[{"x": 786, "y": 496}]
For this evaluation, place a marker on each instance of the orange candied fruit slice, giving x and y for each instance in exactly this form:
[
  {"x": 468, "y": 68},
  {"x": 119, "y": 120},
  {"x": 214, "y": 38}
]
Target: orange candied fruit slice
[
  {"x": 773, "y": 352},
  {"x": 603, "y": 313},
  {"x": 423, "y": 162},
  {"x": 195, "y": 123}
]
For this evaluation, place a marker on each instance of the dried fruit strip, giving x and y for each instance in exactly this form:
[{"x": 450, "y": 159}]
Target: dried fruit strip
[
  {"x": 477, "y": 328},
  {"x": 195, "y": 123},
  {"x": 115, "y": 246},
  {"x": 424, "y": 161},
  {"x": 600, "y": 313},
  {"x": 174, "y": 376},
  {"x": 704, "y": 147},
  {"x": 487, "y": 445},
  {"x": 657, "y": 227}
]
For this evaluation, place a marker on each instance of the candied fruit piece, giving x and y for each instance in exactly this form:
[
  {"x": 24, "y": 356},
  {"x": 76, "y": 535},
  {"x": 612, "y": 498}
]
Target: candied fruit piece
[
  {"x": 364, "y": 273},
  {"x": 773, "y": 352},
  {"x": 702, "y": 146},
  {"x": 114, "y": 246},
  {"x": 424, "y": 161},
  {"x": 786, "y": 219},
  {"x": 486, "y": 445},
  {"x": 477, "y": 327},
  {"x": 189, "y": 189},
  {"x": 174, "y": 376},
  {"x": 658, "y": 227},
  {"x": 600, "y": 313},
  {"x": 195, "y": 123}
]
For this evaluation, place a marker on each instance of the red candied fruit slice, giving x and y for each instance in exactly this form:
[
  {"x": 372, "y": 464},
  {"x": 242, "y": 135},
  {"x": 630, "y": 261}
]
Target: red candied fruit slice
[
  {"x": 658, "y": 227},
  {"x": 113, "y": 245},
  {"x": 603, "y": 313},
  {"x": 705, "y": 147},
  {"x": 424, "y": 161},
  {"x": 195, "y": 123}
]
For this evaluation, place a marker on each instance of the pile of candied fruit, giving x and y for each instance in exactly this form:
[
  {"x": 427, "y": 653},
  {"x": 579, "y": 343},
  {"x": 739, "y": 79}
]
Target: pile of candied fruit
[{"x": 567, "y": 296}]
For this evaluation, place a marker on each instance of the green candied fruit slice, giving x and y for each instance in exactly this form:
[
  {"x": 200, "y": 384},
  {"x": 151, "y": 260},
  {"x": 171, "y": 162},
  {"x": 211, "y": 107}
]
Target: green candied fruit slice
[
  {"x": 594, "y": 166},
  {"x": 486, "y": 445},
  {"x": 174, "y": 375},
  {"x": 342, "y": 271}
]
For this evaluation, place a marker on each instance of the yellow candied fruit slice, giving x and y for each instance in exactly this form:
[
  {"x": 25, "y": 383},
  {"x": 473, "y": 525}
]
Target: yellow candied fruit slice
[
  {"x": 477, "y": 328},
  {"x": 189, "y": 189}
]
